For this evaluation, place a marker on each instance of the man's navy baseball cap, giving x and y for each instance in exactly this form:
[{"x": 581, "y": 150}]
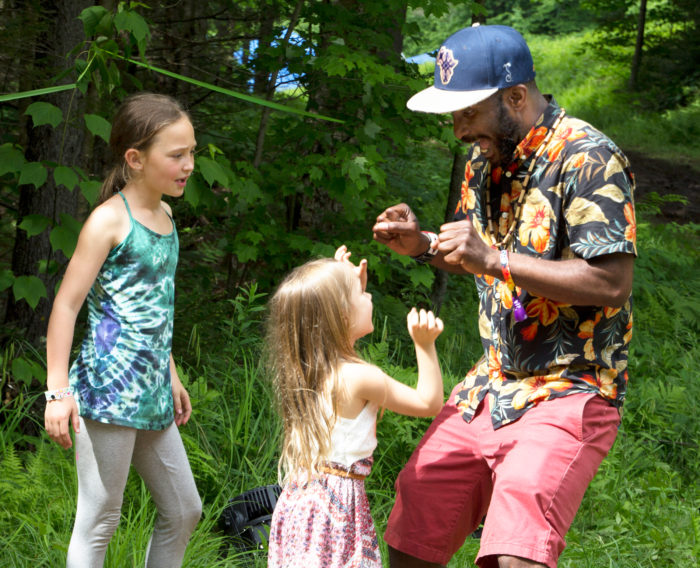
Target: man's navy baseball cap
[{"x": 473, "y": 64}]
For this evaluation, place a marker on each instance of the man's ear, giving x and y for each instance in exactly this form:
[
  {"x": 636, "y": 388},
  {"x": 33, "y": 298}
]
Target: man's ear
[
  {"x": 132, "y": 157},
  {"x": 516, "y": 97}
]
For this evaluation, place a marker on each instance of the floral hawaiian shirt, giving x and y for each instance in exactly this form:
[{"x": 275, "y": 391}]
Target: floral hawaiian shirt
[{"x": 578, "y": 203}]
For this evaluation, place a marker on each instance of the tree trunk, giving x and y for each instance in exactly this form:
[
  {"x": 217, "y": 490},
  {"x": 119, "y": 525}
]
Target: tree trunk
[
  {"x": 639, "y": 45},
  {"x": 60, "y": 146},
  {"x": 266, "y": 85},
  {"x": 459, "y": 161}
]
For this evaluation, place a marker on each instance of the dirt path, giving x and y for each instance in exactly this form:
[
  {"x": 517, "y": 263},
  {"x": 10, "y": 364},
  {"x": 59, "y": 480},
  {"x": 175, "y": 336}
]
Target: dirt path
[{"x": 664, "y": 177}]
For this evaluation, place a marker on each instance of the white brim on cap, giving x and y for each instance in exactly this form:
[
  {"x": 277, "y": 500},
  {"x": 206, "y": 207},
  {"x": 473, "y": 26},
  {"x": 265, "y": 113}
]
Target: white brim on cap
[{"x": 440, "y": 101}]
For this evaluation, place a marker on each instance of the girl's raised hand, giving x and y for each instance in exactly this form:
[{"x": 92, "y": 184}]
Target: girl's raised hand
[
  {"x": 342, "y": 254},
  {"x": 423, "y": 326}
]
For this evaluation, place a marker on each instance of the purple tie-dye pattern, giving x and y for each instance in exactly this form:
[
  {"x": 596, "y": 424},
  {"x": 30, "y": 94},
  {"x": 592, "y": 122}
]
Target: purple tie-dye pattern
[{"x": 107, "y": 332}]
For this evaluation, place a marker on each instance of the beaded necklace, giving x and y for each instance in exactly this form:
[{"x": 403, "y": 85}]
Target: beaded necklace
[{"x": 517, "y": 210}]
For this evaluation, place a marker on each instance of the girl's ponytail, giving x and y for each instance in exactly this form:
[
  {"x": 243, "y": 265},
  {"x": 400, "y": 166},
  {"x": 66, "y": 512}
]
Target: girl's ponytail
[{"x": 114, "y": 182}]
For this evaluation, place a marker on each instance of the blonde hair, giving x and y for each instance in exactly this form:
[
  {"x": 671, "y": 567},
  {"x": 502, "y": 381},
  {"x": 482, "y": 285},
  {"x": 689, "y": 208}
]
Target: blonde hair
[
  {"x": 136, "y": 123},
  {"x": 307, "y": 340}
]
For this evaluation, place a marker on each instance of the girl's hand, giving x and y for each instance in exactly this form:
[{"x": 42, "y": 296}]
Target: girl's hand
[
  {"x": 181, "y": 402},
  {"x": 57, "y": 417},
  {"x": 423, "y": 326},
  {"x": 343, "y": 255}
]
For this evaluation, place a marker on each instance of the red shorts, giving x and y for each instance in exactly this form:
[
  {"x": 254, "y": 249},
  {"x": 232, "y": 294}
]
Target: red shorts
[{"x": 529, "y": 476}]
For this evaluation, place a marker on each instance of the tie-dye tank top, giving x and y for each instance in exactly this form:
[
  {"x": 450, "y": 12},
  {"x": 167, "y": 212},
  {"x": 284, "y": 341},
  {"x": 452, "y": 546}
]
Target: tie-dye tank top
[{"x": 122, "y": 374}]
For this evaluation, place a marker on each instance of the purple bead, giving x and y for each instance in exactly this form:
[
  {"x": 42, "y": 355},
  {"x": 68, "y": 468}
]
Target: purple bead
[{"x": 518, "y": 310}]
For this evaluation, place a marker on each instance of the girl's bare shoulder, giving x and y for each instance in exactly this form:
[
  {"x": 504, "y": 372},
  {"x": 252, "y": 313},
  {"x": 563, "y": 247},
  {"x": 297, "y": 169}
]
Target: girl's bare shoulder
[
  {"x": 359, "y": 373},
  {"x": 108, "y": 220}
]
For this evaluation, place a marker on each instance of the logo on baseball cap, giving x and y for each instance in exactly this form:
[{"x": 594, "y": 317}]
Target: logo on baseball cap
[{"x": 473, "y": 64}]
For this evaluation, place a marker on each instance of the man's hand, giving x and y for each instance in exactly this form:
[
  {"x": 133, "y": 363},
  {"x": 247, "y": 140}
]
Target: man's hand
[
  {"x": 398, "y": 228},
  {"x": 462, "y": 246}
]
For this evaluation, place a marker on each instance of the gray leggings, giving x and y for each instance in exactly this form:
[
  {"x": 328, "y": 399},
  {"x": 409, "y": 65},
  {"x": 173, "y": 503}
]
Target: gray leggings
[{"x": 103, "y": 454}]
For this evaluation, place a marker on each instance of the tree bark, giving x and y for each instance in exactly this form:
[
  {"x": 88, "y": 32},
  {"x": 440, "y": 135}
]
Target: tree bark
[
  {"x": 459, "y": 161},
  {"x": 639, "y": 45},
  {"x": 62, "y": 145}
]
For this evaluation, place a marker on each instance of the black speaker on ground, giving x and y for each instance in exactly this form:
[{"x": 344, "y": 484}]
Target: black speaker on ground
[{"x": 247, "y": 516}]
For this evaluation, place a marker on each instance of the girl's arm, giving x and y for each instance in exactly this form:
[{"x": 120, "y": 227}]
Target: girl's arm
[
  {"x": 181, "y": 399},
  {"x": 94, "y": 243},
  {"x": 368, "y": 382}
]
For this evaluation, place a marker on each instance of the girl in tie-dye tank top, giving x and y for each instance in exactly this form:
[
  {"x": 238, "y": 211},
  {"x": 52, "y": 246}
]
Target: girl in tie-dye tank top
[{"x": 122, "y": 395}]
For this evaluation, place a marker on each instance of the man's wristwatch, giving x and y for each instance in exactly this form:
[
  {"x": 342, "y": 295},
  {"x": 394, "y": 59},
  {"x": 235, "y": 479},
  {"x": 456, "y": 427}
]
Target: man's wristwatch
[{"x": 428, "y": 255}]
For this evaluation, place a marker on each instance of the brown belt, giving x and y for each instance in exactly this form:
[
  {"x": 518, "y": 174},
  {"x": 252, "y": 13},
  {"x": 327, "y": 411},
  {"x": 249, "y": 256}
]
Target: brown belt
[{"x": 342, "y": 473}]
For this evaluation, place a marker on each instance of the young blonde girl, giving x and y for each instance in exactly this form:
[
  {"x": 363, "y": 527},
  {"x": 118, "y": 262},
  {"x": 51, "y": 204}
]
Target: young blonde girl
[
  {"x": 328, "y": 399},
  {"x": 122, "y": 395}
]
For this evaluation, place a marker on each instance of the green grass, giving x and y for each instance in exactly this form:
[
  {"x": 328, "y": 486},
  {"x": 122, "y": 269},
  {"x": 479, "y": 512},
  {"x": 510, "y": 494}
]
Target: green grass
[
  {"x": 640, "y": 511},
  {"x": 595, "y": 90}
]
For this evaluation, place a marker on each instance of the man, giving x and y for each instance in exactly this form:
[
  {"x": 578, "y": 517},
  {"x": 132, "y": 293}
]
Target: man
[{"x": 546, "y": 226}]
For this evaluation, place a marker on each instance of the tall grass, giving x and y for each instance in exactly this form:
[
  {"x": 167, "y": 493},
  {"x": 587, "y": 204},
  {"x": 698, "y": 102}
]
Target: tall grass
[
  {"x": 595, "y": 90},
  {"x": 641, "y": 510}
]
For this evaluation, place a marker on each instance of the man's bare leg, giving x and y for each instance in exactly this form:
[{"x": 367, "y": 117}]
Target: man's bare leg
[
  {"x": 398, "y": 559},
  {"x": 517, "y": 562}
]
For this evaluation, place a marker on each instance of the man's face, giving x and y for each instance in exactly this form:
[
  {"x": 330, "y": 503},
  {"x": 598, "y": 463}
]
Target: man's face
[{"x": 490, "y": 124}]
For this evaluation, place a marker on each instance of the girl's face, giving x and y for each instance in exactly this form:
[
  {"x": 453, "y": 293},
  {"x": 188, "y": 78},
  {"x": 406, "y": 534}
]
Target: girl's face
[
  {"x": 169, "y": 160},
  {"x": 360, "y": 311}
]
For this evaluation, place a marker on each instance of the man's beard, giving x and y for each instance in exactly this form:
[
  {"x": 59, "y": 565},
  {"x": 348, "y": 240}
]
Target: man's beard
[{"x": 507, "y": 137}]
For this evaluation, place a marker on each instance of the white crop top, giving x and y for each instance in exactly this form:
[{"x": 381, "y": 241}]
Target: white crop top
[{"x": 354, "y": 439}]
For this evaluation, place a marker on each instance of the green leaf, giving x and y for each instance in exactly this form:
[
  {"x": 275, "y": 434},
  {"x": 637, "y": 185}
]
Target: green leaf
[
  {"x": 132, "y": 22},
  {"x": 65, "y": 176},
  {"x": 91, "y": 18},
  {"x": 22, "y": 371},
  {"x": 421, "y": 276},
  {"x": 195, "y": 190},
  {"x": 315, "y": 173},
  {"x": 11, "y": 159},
  {"x": 372, "y": 128},
  {"x": 71, "y": 223},
  {"x": 6, "y": 279},
  {"x": 36, "y": 92},
  {"x": 98, "y": 126},
  {"x": 212, "y": 171},
  {"x": 355, "y": 168},
  {"x": 44, "y": 113},
  {"x": 32, "y": 173},
  {"x": 246, "y": 252},
  {"x": 34, "y": 224},
  {"x": 248, "y": 191},
  {"x": 90, "y": 190},
  {"x": 64, "y": 237},
  {"x": 29, "y": 288}
]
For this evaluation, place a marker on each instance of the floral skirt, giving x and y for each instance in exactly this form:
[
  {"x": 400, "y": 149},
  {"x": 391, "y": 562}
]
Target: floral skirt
[{"x": 325, "y": 523}]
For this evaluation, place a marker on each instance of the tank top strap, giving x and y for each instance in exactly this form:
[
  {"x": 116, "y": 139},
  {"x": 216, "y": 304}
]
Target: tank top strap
[
  {"x": 169, "y": 216},
  {"x": 128, "y": 209}
]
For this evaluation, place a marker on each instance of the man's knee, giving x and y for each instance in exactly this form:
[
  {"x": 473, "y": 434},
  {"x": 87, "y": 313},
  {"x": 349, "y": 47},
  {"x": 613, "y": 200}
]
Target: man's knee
[
  {"x": 517, "y": 562},
  {"x": 398, "y": 559}
]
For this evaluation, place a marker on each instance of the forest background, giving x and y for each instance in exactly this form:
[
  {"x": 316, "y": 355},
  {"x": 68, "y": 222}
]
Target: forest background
[{"x": 299, "y": 111}]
